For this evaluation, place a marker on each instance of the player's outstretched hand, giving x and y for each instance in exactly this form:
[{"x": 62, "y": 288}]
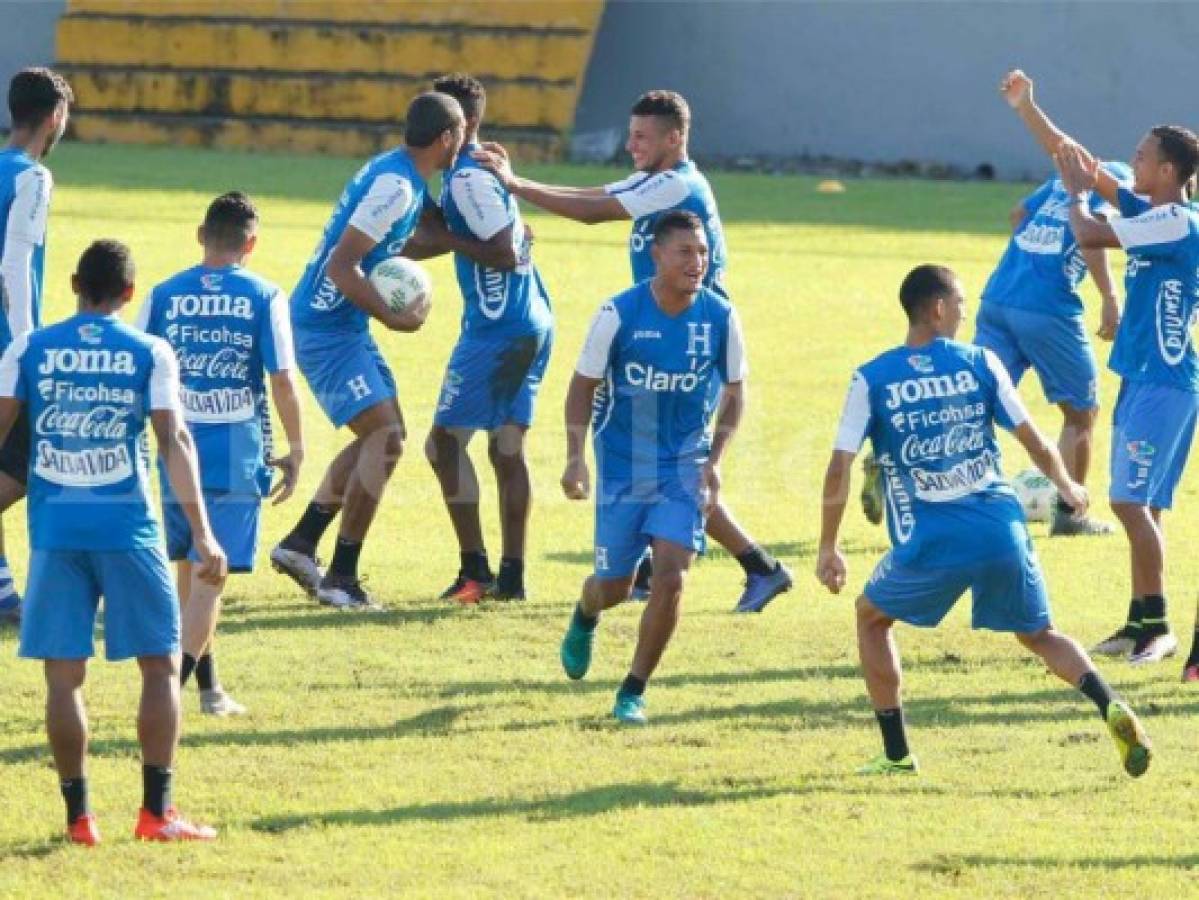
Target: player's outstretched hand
[
  {"x": 831, "y": 569},
  {"x": 1078, "y": 168},
  {"x": 213, "y": 566},
  {"x": 1075, "y": 496},
  {"x": 1016, "y": 88},
  {"x": 289, "y": 468},
  {"x": 576, "y": 480},
  {"x": 494, "y": 158}
]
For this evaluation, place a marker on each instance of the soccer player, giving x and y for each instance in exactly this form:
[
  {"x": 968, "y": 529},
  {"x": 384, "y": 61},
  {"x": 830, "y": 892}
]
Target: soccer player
[
  {"x": 331, "y": 308},
  {"x": 929, "y": 407},
  {"x": 657, "y": 359},
  {"x": 1154, "y": 419},
  {"x": 228, "y": 328},
  {"x": 666, "y": 179},
  {"x": 495, "y": 370},
  {"x": 92, "y": 385},
  {"x": 39, "y": 104}
]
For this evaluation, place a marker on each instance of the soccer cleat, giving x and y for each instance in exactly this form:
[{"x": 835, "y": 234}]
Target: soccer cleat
[
  {"x": 466, "y": 591},
  {"x": 84, "y": 831},
  {"x": 345, "y": 592},
  {"x": 508, "y": 595},
  {"x": 170, "y": 827},
  {"x": 630, "y": 710},
  {"x": 217, "y": 703},
  {"x": 10, "y": 610},
  {"x": 881, "y": 765},
  {"x": 761, "y": 589},
  {"x": 1119, "y": 643},
  {"x": 576, "y": 651},
  {"x": 1153, "y": 648},
  {"x": 872, "y": 489},
  {"x": 1190, "y": 673},
  {"x": 304, "y": 570},
  {"x": 1134, "y": 745},
  {"x": 1065, "y": 524}
]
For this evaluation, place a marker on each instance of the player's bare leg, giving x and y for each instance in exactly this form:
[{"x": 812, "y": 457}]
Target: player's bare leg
[
  {"x": 506, "y": 450},
  {"x": 765, "y": 576},
  {"x": 881, "y": 669},
  {"x": 446, "y": 450},
  {"x": 1150, "y": 633},
  {"x": 66, "y": 726},
  {"x": 1075, "y": 445},
  {"x": 11, "y": 492}
]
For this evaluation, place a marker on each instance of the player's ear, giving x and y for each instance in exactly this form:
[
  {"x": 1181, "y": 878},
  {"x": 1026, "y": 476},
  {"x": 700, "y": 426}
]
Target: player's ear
[
  {"x": 75, "y": 284},
  {"x": 200, "y": 235},
  {"x": 251, "y": 243},
  {"x": 127, "y": 295}
]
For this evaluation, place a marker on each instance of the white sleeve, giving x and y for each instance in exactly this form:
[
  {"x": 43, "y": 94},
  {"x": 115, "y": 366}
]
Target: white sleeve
[
  {"x": 284, "y": 356},
  {"x": 1160, "y": 225},
  {"x": 164, "y": 377},
  {"x": 31, "y": 205},
  {"x": 480, "y": 199},
  {"x": 666, "y": 190},
  {"x": 1009, "y": 399},
  {"x": 593, "y": 361},
  {"x": 384, "y": 204},
  {"x": 142, "y": 322},
  {"x": 736, "y": 366},
  {"x": 625, "y": 184},
  {"x": 855, "y": 417},
  {"x": 16, "y": 283},
  {"x": 10, "y": 367}
]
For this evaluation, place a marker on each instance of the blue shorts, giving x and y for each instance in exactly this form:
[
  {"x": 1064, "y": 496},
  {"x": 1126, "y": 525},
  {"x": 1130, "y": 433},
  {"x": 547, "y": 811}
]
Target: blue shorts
[
  {"x": 1009, "y": 591},
  {"x": 628, "y": 518},
  {"x": 234, "y": 521},
  {"x": 141, "y": 612},
  {"x": 346, "y": 372},
  {"x": 1152, "y": 428},
  {"x": 490, "y": 382},
  {"x": 1056, "y": 347}
]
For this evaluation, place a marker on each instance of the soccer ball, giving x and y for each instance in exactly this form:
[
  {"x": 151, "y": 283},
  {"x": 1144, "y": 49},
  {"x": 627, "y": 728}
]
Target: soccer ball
[
  {"x": 1036, "y": 494},
  {"x": 401, "y": 281}
]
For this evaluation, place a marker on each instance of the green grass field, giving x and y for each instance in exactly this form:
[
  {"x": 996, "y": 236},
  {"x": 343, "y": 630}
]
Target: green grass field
[{"x": 439, "y": 752}]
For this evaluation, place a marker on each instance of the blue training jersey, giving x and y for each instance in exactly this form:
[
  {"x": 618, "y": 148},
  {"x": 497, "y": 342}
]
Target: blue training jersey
[
  {"x": 647, "y": 195},
  {"x": 496, "y": 303},
  {"x": 89, "y": 384},
  {"x": 383, "y": 201},
  {"x": 1043, "y": 266},
  {"x": 25, "y": 188},
  {"x": 1161, "y": 284},
  {"x": 930, "y": 413},
  {"x": 228, "y": 327},
  {"x": 661, "y": 376}
]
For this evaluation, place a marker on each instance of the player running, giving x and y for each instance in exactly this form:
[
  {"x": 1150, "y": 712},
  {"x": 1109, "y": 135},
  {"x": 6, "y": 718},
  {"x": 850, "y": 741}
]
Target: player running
[
  {"x": 92, "y": 385},
  {"x": 1154, "y": 419},
  {"x": 666, "y": 179},
  {"x": 228, "y": 328},
  {"x": 495, "y": 370},
  {"x": 39, "y": 105},
  {"x": 929, "y": 408},
  {"x": 330, "y": 311},
  {"x": 655, "y": 362}
]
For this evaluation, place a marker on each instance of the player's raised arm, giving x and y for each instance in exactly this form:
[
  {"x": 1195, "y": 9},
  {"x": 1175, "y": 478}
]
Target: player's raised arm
[
  {"x": 1080, "y": 173},
  {"x": 590, "y": 205}
]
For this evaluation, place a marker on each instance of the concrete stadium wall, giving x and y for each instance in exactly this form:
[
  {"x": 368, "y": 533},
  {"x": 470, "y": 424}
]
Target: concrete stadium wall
[
  {"x": 26, "y": 39},
  {"x": 897, "y": 80}
]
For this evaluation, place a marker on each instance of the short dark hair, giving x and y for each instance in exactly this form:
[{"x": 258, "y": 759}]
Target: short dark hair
[
  {"x": 466, "y": 89},
  {"x": 429, "y": 116},
  {"x": 678, "y": 220},
  {"x": 230, "y": 221},
  {"x": 667, "y": 105},
  {"x": 1180, "y": 148},
  {"x": 105, "y": 271},
  {"x": 34, "y": 93},
  {"x": 922, "y": 286}
]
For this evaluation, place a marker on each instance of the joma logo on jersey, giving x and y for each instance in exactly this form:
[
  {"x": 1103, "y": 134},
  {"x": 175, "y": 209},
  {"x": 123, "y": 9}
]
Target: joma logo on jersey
[
  {"x": 210, "y": 305},
  {"x": 87, "y": 362},
  {"x": 930, "y": 387}
]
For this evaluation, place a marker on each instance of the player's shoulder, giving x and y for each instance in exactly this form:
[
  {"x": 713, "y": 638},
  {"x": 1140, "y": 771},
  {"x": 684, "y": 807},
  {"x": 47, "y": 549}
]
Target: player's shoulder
[
  {"x": 718, "y": 306},
  {"x": 258, "y": 286}
]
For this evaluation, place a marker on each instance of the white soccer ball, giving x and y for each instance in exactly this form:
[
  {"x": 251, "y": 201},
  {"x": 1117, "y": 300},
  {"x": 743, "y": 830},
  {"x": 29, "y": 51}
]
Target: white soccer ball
[
  {"x": 400, "y": 281},
  {"x": 1036, "y": 494}
]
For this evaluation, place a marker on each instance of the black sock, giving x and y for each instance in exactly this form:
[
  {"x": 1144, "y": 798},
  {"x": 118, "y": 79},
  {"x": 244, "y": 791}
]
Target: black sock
[
  {"x": 1064, "y": 508},
  {"x": 582, "y": 621},
  {"x": 186, "y": 667},
  {"x": 74, "y": 792},
  {"x": 310, "y": 529},
  {"x": 1193, "y": 659},
  {"x": 511, "y": 577},
  {"x": 156, "y": 789},
  {"x": 645, "y": 571},
  {"x": 756, "y": 561},
  {"x": 895, "y": 739},
  {"x": 1136, "y": 611},
  {"x": 345, "y": 558},
  {"x": 475, "y": 565},
  {"x": 206, "y": 672},
  {"x": 1153, "y": 615},
  {"x": 633, "y": 686},
  {"x": 1093, "y": 686}
]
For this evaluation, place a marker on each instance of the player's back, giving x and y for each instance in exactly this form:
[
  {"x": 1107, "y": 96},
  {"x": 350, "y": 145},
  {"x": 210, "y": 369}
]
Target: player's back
[
  {"x": 25, "y": 186},
  {"x": 383, "y": 200},
  {"x": 931, "y": 414},
  {"x": 500, "y": 303}
]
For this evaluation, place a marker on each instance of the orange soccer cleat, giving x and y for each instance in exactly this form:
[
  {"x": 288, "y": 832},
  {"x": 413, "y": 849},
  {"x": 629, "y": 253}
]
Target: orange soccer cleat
[
  {"x": 84, "y": 831},
  {"x": 170, "y": 827}
]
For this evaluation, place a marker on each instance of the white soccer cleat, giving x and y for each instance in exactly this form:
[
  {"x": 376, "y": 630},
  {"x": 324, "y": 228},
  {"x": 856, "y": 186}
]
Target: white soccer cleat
[
  {"x": 1155, "y": 649},
  {"x": 217, "y": 703},
  {"x": 341, "y": 592},
  {"x": 1121, "y": 643},
  {"x": 302, "y": 569}
]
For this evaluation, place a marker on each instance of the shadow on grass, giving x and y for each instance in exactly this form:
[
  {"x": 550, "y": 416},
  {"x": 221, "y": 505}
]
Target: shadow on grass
[
  {"x": 787, "y": 550},
  {"x": 954, "y": 864}
]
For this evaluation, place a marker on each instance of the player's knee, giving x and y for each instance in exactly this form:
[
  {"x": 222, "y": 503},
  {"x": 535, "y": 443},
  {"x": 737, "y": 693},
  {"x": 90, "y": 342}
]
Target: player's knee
[
  {"x": 1035, "y": 640},
  {"x": 437, "y": 447},
  {"x": 668, "y": 583},
  {"x": 158, "y": 667},
  {"x": 65, "y": 675},
  {"x": 506, "y": 450},
  {"x": 1080, "y": 419},
  {"x": 870, "y": 616}
]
